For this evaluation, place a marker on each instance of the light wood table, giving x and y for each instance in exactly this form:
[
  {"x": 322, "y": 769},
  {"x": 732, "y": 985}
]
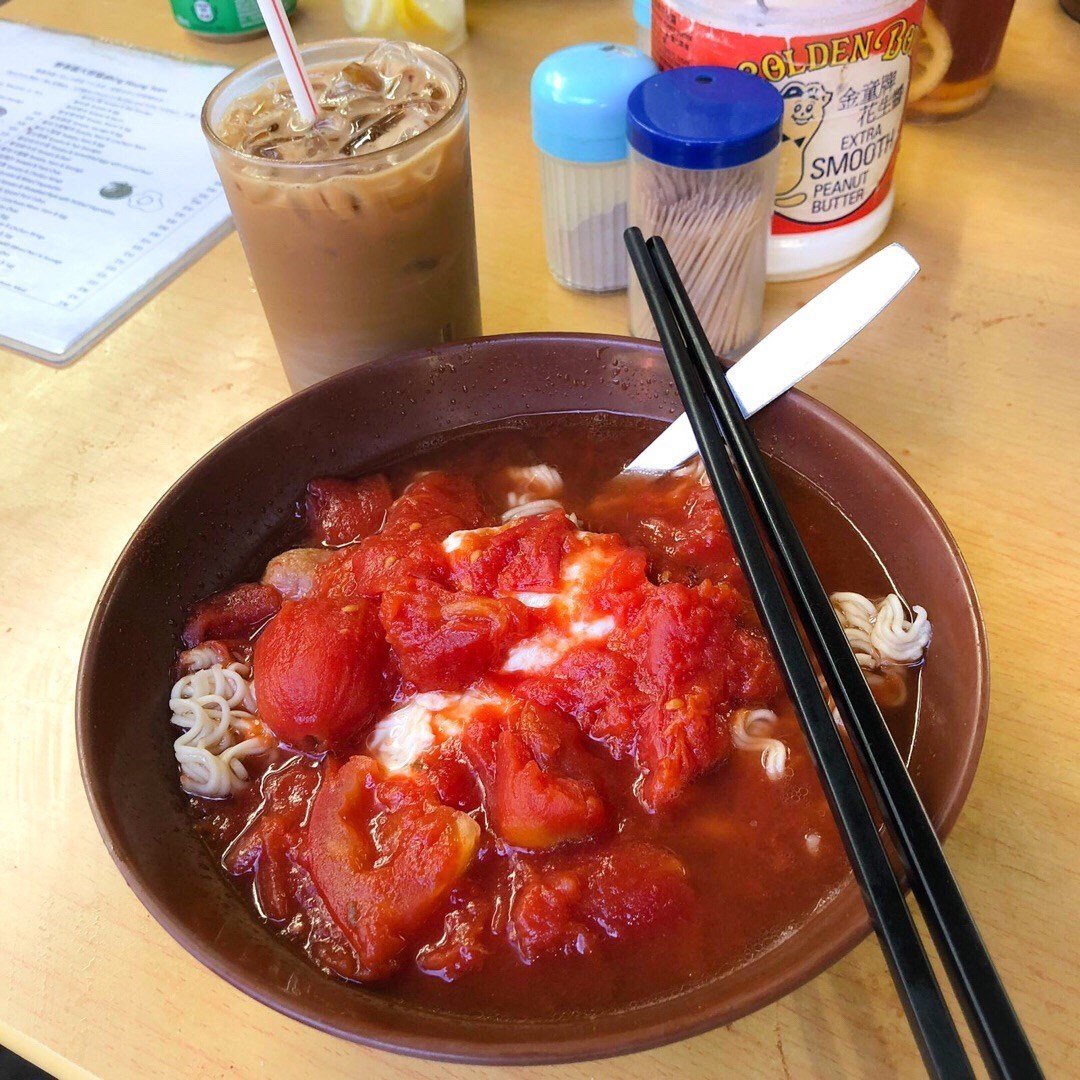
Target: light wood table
[{"x": 970, "y": 381}]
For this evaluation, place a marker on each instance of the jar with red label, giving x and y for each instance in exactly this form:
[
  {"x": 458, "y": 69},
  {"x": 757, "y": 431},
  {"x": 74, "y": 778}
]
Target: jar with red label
[{"x": 842, "y": 68}]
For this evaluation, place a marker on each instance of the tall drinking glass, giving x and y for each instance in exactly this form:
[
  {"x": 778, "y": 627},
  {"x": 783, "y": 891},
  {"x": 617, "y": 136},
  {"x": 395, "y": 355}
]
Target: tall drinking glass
[
  {"x": 954, "y": 62},
  {"x": 354, "y": 257}
]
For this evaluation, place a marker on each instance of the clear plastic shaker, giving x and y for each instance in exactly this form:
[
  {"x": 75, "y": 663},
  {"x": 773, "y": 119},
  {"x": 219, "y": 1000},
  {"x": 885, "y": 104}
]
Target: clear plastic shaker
[
  {"x": 579, "y": 126},
  {"x": 703, "y": 160}
]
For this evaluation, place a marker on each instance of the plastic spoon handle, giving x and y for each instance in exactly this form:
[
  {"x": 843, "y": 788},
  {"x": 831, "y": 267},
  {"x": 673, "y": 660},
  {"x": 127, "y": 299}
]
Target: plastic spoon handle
[{"x": 818, "y": 330}]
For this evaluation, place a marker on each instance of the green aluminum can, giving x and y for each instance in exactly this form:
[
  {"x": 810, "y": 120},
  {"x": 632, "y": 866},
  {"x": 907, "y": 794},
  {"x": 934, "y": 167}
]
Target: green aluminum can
[{"x": 223, "y": 20}]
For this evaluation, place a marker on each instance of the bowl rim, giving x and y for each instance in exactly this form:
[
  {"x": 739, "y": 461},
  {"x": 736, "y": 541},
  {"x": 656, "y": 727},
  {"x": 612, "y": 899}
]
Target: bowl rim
[{"x": 580, "y": 1048}]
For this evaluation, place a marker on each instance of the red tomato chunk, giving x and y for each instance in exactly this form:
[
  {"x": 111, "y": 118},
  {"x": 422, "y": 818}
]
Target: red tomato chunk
[
  {"x": 678, "y": 522},
  {"x": 384, "y": 861},
  {"x": 235, "y": 613},
  {"x": 688, "y": 655},
  {"x": 446, "y": 640},
  {"x": 379, "y": 563},
  {"x": 341, "y": 512},
  {"x": 436, "y": 505},
  {"x": 269, "y": 847},
  {"x": 408, "y": 548},
  {"x": 573, "y": 903},
  {"x": 539, "y": 783},
  {"x": 596, "y": 688},
  {"x": 321, "y": 672},
  {"x": 465, "y": 940},
  {"x": 524, "y": 557}
]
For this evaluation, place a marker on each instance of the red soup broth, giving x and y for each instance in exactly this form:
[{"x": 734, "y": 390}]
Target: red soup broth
[{"x": 756, "y": 856}]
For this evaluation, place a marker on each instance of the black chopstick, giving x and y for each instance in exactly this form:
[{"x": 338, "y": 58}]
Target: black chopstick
[
  {"x": 938, "y": 1041},
  {"x": 979, "y": 989}
]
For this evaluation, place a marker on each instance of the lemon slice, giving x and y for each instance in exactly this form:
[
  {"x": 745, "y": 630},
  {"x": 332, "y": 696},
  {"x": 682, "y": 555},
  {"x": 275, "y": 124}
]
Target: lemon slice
[
  {"x": 425, "y": 18},
  {"x": 374, "y": 17},
  {"x": 932, "y": 57}
]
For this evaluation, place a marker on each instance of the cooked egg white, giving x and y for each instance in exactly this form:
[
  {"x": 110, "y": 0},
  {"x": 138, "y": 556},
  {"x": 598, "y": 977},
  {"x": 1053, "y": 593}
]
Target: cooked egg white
[
  {"x": 570, "y": 619},
  {"x": 574, "y": 621},
  {"x": 424, "y": 721}
]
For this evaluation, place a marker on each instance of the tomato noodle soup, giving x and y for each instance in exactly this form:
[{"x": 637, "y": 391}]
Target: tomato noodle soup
[{"x": 498, "y": 736}]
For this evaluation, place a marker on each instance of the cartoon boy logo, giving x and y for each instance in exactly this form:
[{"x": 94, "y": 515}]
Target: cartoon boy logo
[{"x": 804, "y": 109}]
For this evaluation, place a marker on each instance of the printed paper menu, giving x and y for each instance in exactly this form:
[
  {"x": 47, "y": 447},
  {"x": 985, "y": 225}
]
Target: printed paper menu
[{"x": 106, "y": 186}]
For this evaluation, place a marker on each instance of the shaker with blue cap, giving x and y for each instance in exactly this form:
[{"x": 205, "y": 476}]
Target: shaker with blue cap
[
  {"x": 579, "y": 126},
  {"x": 703, "y": 163}
]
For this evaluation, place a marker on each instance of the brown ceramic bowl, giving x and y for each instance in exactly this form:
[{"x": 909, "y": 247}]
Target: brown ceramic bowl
[{"x": 190, "y": 545}]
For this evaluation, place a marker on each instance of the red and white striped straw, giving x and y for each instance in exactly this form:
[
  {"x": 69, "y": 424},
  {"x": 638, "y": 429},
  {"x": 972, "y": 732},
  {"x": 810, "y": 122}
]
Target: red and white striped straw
[{"x": 277, "y": 23}]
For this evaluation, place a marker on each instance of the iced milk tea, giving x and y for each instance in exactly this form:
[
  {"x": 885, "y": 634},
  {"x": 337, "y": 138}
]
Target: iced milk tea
[{"x": 358, "y": 229}]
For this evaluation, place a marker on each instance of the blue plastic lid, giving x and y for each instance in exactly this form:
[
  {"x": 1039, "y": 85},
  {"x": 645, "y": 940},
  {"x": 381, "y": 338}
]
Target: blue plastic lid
[
  {"x": 643, "y": 12},
  {"x": 704, "y": 117},
  {"x": 579, "y": 100}
]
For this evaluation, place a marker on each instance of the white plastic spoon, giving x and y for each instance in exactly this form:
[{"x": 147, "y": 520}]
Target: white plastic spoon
[{"x": 796, "y": 347}]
